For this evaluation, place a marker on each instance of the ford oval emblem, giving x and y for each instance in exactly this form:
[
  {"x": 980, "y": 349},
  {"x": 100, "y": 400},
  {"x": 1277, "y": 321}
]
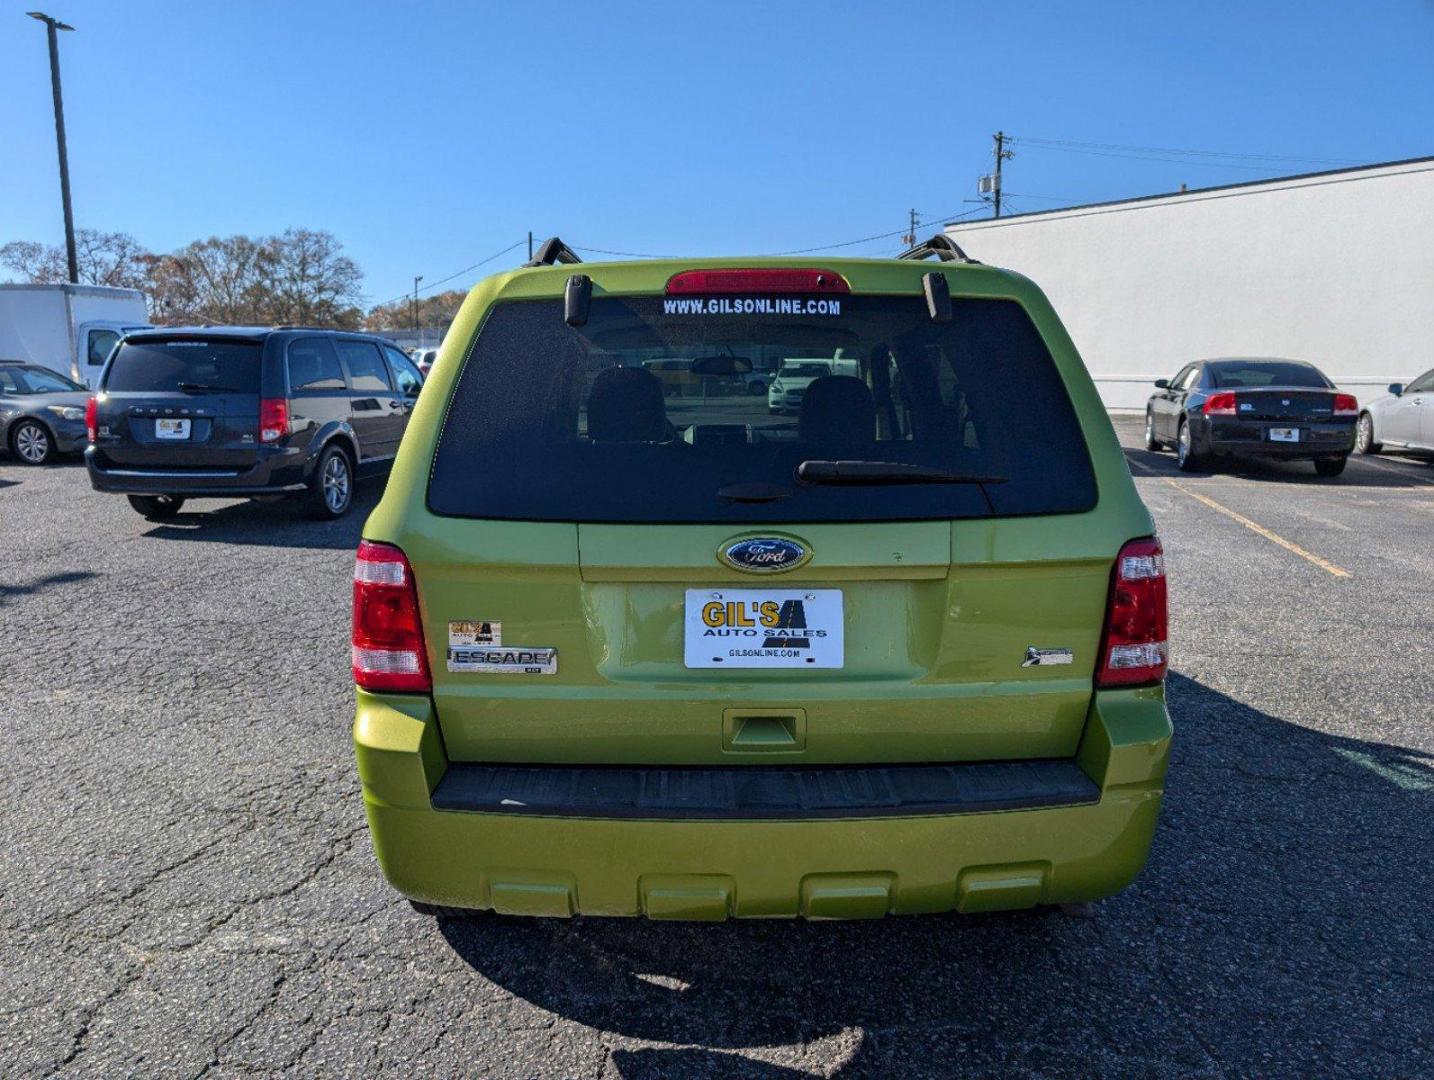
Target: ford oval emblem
[{"x": 764, "y": 554}]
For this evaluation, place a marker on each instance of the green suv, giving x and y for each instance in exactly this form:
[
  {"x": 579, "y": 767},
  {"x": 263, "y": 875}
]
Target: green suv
[{"x": 622, "y": 653}]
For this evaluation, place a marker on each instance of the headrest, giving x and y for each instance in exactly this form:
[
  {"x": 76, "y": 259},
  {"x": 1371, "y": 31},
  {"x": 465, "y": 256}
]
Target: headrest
[
  {"x": 837, "y": 408},
  {"x": 625, "y": 405}
]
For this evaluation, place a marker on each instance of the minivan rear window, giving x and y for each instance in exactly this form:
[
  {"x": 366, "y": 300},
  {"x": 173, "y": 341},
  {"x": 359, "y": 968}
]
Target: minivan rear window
[
  {"x": 550, "y": 422},
  {"x": 199, "y": 365}
]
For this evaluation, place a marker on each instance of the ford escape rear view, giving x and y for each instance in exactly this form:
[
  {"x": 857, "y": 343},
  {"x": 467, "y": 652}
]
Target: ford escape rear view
[{"x": 900, "y": 648}]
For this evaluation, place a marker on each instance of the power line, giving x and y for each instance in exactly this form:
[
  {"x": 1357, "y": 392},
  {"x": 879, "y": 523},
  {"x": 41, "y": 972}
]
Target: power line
[
  {"x": 1165, "y": 160},
  {"x": 1071, "y": 143},
  {"x": 943, "y": 218},
  {"x": 467, "y": 269}
]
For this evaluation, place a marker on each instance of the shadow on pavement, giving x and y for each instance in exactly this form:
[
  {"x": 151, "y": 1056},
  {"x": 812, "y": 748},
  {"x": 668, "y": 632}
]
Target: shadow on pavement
[
  {"x": 49, "y": 581},
  {"x": 1282, "y": 928},
  {"x": 1359, "y": 473},
  {"x": 280, "y": 523}
]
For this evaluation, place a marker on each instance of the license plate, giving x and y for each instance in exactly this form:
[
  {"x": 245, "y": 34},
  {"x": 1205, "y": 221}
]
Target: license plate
[
  {"x": 763, "y": 628},
  {"x": 1284, "y": 434},
  {"x": 171, "y": 429}
]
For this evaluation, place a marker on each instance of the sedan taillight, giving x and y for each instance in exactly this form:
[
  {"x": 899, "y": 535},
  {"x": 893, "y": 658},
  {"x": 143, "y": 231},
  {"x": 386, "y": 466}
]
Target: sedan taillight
[
  {"x": 1220, "y": 405},
  {"x": 1345, "y": 405},
  {"x": 92, "y": 418},
  {"x": 1134, "y": 650},
  {"x": 388, "y": 647}
]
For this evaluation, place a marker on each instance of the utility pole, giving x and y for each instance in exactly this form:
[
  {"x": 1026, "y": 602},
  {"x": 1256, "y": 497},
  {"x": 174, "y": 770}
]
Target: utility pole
[
  {"x": 414, "y": 311},
  {"x": 530, "y": 245},
  {"x": 51, "y": 26},
  {"x": 910, "y": 238},
  {"x": 1001, "y": 155}
]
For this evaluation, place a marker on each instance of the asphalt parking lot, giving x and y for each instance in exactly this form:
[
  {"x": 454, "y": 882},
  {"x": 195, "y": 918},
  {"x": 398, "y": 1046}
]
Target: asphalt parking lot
[{"x": 188, "y": 888}]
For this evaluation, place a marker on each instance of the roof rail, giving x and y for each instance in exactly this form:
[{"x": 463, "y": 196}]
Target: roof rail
[
  {"x": 553, "y": 251},
  {"x": 940, "y": 245}
]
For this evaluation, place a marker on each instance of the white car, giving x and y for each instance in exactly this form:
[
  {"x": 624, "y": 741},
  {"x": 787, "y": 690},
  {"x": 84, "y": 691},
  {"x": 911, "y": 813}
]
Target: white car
[
  {"x": 1402, "y": 419},
  {"x": 423, "y": 360},
  {"x": 795, "y": 374}
]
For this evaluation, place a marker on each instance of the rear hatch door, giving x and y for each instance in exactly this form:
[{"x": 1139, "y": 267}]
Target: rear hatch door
[
  {"x": 182, "y": 402},
  {"x": 575, "y": 508}
]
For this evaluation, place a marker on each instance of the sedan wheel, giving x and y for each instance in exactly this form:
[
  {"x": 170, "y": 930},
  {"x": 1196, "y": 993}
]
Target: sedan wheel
[
  {"x": 1185, "y": 456},
  {"x": 31, "y": 443},
  {"x": 1151, "y": 442},
  {"x": 1364, "y": 436}
]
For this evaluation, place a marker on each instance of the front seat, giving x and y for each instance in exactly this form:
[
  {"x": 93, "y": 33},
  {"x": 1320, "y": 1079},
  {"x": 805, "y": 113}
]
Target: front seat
[
  {"x": 837, "y": 409},
  {"x": 625, "y": 405}
]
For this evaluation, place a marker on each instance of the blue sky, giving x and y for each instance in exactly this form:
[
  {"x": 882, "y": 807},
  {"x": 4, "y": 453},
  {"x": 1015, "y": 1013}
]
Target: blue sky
[{"x": 428, "y": 136}]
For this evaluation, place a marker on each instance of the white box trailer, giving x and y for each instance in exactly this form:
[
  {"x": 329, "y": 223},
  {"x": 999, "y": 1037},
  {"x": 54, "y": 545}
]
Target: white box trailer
[{"x": 67, "y": 328}]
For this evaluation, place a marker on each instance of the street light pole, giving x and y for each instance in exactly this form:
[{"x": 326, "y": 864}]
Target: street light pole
[
  {"x": 413, "y": 314},
  {"x": 51, "y": 26}
]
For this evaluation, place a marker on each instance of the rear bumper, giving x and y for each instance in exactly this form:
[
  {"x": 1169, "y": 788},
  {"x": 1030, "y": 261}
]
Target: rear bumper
[
  {"x": 1251, "y": 438},
  {"x": 682, "y": 867},
  {"x": 276, "y": 471}
]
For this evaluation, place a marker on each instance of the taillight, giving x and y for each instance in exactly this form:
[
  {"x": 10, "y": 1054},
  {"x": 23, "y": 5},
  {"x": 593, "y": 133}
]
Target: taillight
[
  {"x": 1345, "y": 405},
  {"x": 1133, "y": 650},
  {"x": 388, "y": 649},
  {"x": 1220, "y": 405},
  {"x": 717, "y": 282},
  {"x": 273, "y": 419},
  {"x": 92, "y": 418}
]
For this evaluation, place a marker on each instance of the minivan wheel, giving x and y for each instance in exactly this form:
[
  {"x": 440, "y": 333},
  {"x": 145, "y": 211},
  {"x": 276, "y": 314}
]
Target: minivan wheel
[
  {"x": 332, "y": 489},
  {"x": 1151, "y": 442},
  {"x": 1330, "y": 466},
  {"x": 1185, "y": 456},
  {"x": 1364, "y": 436},
  {"x": 30, "y": 442},
  {"x": 156, "y": 507}
]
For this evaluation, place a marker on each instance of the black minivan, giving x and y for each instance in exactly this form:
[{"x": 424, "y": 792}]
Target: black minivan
[{"x": 225, "y": 412}]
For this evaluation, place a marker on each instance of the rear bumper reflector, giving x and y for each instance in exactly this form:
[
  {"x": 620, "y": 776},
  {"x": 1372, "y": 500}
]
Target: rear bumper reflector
[{"x": 761, "y": 792}]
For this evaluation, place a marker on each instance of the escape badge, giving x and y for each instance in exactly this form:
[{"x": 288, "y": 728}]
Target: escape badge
[{"x": 477, "y": 647}]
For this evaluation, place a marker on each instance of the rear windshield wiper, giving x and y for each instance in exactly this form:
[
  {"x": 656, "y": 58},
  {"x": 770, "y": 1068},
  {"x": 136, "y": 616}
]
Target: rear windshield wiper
[
  {"x": 873, "y": 473},
  {"x": 211, "y": 387}
]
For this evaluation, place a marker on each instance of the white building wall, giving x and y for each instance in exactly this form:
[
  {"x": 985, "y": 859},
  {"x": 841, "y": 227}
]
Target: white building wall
[{"x": 1334, "y": 268}]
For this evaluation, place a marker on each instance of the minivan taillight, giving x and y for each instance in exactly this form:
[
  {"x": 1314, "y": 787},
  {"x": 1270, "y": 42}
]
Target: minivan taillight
[
  {"x": 92, "y": 418},
  {"x": 388, "y": 649},
  {"x": 1133, "y": 649},
  {"x": 1345, "y": 405},
  {"x": 1220, "y": 405},
  {"x": 273, "y": 419}
]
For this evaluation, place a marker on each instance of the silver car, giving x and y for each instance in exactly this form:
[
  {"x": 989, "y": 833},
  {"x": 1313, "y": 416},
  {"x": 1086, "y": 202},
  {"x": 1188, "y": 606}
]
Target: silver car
[{"x": 1402, "y": 419}]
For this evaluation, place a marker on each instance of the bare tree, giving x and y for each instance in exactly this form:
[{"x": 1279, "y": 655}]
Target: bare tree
[
  {"x": 102, "y": 259},
  {"x": 305, "y": 279},
  {"x": 300, "y": 277},
  {"x": 434, "y": 312}
]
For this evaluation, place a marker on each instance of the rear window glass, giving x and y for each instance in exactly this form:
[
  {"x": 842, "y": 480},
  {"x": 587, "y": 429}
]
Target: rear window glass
[
  {"x": 187, "y": 365},
  {"x": 1234, "y": 373},
  {"x": 550, "y": 422}
]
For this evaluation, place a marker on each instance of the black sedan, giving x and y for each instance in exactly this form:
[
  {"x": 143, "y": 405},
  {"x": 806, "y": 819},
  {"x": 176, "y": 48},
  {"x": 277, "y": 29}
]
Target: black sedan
[{"x": 1252, "y": 407}]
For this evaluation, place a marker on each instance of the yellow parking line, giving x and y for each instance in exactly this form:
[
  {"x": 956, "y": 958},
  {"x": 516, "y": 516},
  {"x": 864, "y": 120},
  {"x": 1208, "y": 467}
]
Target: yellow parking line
[{"x": 1260, "y": 530}]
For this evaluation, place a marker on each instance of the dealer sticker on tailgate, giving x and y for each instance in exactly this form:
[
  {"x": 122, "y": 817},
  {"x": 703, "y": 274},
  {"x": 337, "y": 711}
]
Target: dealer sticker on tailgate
[{"x": 763, "y": 628}]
